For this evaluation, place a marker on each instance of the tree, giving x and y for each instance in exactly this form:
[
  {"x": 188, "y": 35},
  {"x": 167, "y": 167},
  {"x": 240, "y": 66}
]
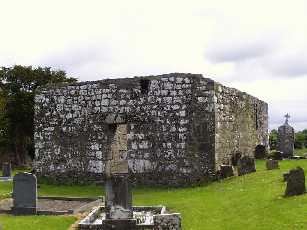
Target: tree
[
  {"x": 299, "y": 140},
  {"x": 273, "y": 139},
  {"x": 17, "y": 86}
]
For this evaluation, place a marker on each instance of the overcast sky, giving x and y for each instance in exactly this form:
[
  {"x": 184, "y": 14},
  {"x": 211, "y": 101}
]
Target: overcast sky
[{"x": 259, "y": 47}]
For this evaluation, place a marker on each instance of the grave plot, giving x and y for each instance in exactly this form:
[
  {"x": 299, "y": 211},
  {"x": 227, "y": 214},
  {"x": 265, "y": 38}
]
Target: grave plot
[
  {"x": 25, "y": 201},
  {"x": 118, "y": 212}
]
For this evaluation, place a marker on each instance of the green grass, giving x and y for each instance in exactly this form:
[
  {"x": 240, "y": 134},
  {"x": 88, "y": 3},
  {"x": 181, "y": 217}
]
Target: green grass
[
  {"x": 37, "y": 222},
  {"x": 254, "y": 201}
]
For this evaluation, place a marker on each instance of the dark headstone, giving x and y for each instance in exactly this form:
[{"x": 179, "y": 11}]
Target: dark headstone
[
  {"x": 295, "y": 182},
  {"x": 260, "y": 152},
  {"x": 235, "y": 158},
  {"x": 246, "y": 165},
  {"x": 226, "y": 171},
  {"x": 24, "y": 194},
  {"x": 286, "y": 176},
  {"x": 6, "y": 170},
  {"x": 272, "y": 164},
  {"x": 276, "y": 155}
]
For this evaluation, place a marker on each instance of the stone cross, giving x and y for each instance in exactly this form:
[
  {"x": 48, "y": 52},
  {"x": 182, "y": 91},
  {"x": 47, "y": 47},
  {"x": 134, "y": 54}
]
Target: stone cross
[
  {"x": 287, "y": 116},
  {"x": 24, "y": 194},
  {"x": 118, "y": 195}
]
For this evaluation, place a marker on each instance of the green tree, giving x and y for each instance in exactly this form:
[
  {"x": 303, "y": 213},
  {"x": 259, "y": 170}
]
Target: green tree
[
  {"x": 17, "y": 86},
  {"x": 273, "y": 139},
  {"x": 299, "y": 140}
]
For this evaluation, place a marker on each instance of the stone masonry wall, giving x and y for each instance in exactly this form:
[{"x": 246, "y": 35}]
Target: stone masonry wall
[
  {"x": 72, "y": 137},
  {"x": 241, "y": 124},
  {"x": 180, "y": 128}
]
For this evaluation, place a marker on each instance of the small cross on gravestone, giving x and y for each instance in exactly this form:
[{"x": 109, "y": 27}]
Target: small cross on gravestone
[{"x": 24, "y": 194}]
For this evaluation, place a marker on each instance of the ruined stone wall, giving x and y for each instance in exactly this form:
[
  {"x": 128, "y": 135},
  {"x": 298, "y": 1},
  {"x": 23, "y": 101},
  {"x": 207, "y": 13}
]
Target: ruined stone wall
[
  {"x": 241, "y": 124},
  {"x": 163, "y": 118}
]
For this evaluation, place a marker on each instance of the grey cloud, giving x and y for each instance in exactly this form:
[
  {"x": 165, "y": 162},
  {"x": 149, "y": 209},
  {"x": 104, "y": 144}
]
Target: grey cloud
[
  {"x": 238, "y": 50},
  {"x": 77, "y": 56},
  {"x": 292, "y": 64}
]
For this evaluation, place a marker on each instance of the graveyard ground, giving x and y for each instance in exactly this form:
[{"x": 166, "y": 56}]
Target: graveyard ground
[{"x": 249, "y": 202}]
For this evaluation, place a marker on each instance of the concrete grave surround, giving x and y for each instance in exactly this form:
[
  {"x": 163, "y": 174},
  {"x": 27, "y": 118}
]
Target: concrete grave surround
[
  {"x": 180, "y": 128},
  {"x": 285, "y": 139},
  {"x": 24, "y": 194}
]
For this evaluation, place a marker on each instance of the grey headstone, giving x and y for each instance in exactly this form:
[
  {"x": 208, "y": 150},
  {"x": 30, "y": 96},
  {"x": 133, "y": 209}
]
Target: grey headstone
[
  {"x": 24, "y": 194},
  {"x": 246, "y": 165},
  {"x": 226, "y": 171},
  {"x": 272, "y": 164},
  {"x": 285, "y": 139},
  {"x": 295, "y": 182},
  {"x": 6, "y": 170}
]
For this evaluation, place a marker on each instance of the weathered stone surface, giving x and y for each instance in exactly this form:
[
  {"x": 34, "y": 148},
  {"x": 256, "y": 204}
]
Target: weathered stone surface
[
  {"x": 167, "y": 221},
  {"x": 246, "y": 165},
  {"x": 180, "y": 128},
  {"x": 286, "y": 176},
  {"x": 118, "y": 198},
  {"x": 111, "y": 224},
  {"x": 295, "y": 182},
  {"x": 24, "y": 194},
  {"x": 272, "y": 164},
  {"x": 6, "y": 169},
  {"x": 285, "y": 139},
  {"x": 226, "y": 171}
]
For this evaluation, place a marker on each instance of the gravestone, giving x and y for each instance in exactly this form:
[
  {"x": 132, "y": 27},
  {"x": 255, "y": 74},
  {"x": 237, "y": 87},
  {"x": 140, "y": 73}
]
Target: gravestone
[
  {"x": 285, "y": 139},
  {"x": 285, "y": 176},
  {"x": 295, "y": 182},
  {"x": 24, "y": 194},
  {"x": 6, "y": 169},
  {"x": 246, "y": 165},
  {"x": 235, "y": 158},
  {"x": 271, "y": 164},
  {"x": 226, "y": 171}
]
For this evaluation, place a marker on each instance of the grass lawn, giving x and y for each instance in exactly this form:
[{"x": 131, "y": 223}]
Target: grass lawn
[{"x": 249, "y": 202}]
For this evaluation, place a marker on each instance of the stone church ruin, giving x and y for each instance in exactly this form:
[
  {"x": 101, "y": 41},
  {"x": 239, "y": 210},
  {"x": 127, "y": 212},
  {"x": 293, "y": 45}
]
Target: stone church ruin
[{"x": 173, "y": 129}]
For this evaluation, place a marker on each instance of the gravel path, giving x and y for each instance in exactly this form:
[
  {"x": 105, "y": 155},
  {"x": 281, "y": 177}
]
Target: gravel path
[{"x": 45, "y": 204}]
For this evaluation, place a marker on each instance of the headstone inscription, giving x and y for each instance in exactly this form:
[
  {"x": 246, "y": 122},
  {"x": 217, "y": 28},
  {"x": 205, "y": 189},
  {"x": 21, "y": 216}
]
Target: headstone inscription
[
  {"x": 24, "y": 194},
  {"x": 6, "y": 169}
]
